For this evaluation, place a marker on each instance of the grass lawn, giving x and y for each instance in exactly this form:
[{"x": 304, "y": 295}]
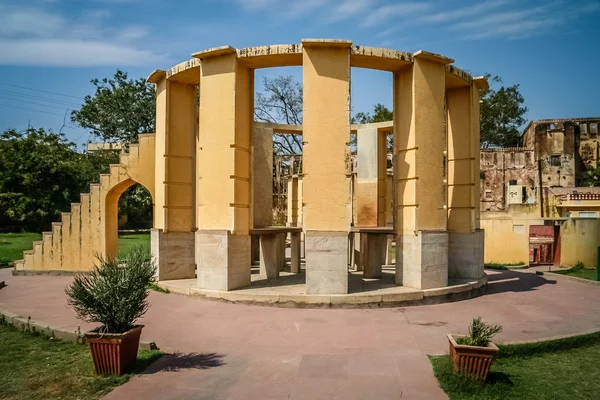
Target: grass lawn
[
  {"x": 585, "y": 273},
  {"x": 12, "y": 245},
  {"x": 34, "y": 367},
  {"x": 556, "y": 369},
  {"x": 519, "y": 265},
  {"x": 131, "y": 240}
]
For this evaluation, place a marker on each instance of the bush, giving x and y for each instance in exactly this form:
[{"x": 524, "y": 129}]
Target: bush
[
  {"x": 480, "y": 333},
  {"x": 578, "y": 267},
  {"x": 115, "y": 292}
]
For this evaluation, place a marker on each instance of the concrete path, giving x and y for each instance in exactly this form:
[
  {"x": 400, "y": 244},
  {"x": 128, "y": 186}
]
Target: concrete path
[{"x": 234, "y": 351}]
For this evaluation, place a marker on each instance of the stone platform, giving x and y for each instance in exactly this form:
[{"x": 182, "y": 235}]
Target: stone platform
[{"x": 289, "y": 291}]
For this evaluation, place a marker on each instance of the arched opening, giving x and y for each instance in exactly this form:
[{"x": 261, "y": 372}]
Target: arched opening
[{"x": 129, "y": 214}]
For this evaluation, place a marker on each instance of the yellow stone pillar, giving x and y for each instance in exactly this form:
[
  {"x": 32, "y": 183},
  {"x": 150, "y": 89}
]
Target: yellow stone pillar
[
  {"x": 419, "y": 145},
  {"x": 465, "y": 239},
  {"x": 262, "y": 170},
  {"x": 293, "y": 201},
  {"x": 172, "y": 237},
  {"x": 223, "y": 171},
  {"x": 326, "y": 191}
]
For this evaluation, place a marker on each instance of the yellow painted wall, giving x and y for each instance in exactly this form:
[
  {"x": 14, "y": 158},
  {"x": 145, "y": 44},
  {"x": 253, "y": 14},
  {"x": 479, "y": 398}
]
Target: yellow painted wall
[
  {"x": 91, "y": 226},
  {"x": 326, "y": 79},
  {"x": 507, "y": 239},
  {"x": 223, "y": 157},
  {"x": 419, "y": 142},
  {"x": 460, "y": 161},
  {"x": 580, "y": 239}
]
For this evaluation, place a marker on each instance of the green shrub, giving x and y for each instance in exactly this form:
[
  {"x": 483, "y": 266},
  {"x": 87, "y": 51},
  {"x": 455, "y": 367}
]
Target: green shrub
[
  {"x": 115, "y": 292},
  {"x": 578, "y": 267},
  {"x": 480, "y": 333}
]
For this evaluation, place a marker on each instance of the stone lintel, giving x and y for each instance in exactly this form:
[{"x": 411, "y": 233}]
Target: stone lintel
[
  {"x": 214, "y": 52},
  {"x": 156, "y": 76},
  {"x": 326, "y": 43},
  {"x": 481, "y": 82},
  {"x": 433, "y": 57}
]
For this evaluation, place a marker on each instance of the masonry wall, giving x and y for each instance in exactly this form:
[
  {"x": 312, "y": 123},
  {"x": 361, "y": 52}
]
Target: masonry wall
[
  {"x": 507, "y": 234},
  {"x": 498, "y": 168},
  {"x": 580, "y": 239},
  {"x": 91, "y": 226}
]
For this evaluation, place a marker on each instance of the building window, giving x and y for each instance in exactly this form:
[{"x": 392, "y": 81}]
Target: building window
[
  {"x": 593, "y": 127},
  {"x": 583, "y": 128},
  {"x": 555, "y": 160},
  {"x": 587, "y": 214},
  {"x": 518, "y": 228}
]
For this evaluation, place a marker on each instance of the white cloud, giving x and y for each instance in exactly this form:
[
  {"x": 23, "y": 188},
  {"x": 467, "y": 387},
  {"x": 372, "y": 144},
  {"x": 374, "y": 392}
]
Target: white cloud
[
  {"x": 349, "y": 8},
  {"x": 133, "y": 33},
  {"x": 30, "y": 22},
  {"x": 300, "y": 8},
  {"x": 72, "y": 53},
  {"x": 470, "y": 11},
  {"x": 385, "y": 13},
  {"x": 387, "y": 32},
  {"x": 524, "y": 23},
  {"x": 40, "y": 36}
]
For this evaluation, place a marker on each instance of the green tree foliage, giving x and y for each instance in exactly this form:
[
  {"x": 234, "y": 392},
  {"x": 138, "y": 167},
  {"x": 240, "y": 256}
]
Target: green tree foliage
[
  {"x": 502, "y": 113},
  {"x": 380, "y": 114},
  {"x": 136, "y": 204},
  {"x": 592, "y": 177},
  {"x": 120, "y": 109},
  {"x": 42, "y": 173}
]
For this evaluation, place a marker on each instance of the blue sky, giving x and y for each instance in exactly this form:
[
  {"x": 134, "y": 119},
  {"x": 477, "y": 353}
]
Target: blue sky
[{"x": 551, "y": 48}]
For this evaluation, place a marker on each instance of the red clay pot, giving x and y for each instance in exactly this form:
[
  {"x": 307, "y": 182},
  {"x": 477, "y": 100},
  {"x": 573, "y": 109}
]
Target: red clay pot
[
  {"x": 471, "y": 360},
  {"x": 114, "y": 353}
]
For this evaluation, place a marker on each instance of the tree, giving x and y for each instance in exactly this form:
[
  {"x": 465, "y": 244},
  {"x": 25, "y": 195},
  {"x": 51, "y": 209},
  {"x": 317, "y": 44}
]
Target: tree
[
  {"x": 42, "y": 174},
  {"x": 281, "y": 103},
  {"x": 120, "y": 109},
  {"x": 380, "y": 114},
  {"x": 502, "y": 114}
]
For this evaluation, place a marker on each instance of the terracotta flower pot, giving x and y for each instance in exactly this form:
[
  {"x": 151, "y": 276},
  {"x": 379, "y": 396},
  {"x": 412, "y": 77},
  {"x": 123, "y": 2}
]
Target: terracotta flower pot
[
  {"x": 471, "y": 360},
  {"x": 114, "y": 353}
]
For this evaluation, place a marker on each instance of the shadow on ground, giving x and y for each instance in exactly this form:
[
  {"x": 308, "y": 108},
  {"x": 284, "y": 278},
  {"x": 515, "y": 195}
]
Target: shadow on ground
[
  {"x": 513, "y": 281},
  {"x": 180, "y": 361}
]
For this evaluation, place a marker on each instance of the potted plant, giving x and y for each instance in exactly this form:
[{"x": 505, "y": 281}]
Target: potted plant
[
  {"x": 114, "y": 294},
  {"x": 472, "y": 354}
]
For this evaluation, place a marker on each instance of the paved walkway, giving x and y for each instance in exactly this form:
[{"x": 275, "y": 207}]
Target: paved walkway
[{"x": 234, "y": 351}]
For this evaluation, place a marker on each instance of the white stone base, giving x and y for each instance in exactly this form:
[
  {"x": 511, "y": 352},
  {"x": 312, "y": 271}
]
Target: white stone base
[
  {"x": 465, "y": 254},
  {"x": 326, "y": 262},
  {"x": 173, "y": 253},
  {"x": 223, "y": 260},
  {"x": 422, "y": 260}
]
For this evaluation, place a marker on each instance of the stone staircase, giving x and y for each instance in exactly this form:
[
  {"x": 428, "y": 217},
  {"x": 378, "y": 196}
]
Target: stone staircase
[{"x": 90, "y": 227}]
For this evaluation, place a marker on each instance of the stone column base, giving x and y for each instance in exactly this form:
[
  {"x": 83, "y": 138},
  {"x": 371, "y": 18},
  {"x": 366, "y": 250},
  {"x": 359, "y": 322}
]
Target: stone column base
[
  {"x": 173, "y": 253},
  {"x": 223, "y": 260},
  {"x": 272, "y": 259},
  {"x": 422, "y": 260},
  {"x": 372, "y": 254},
  {"x": 326, "y": 262},
  {"x": 465, "y": 254}
]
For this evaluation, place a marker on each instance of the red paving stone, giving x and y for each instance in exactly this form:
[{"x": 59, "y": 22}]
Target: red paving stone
[{"x": 235, "y": 351}]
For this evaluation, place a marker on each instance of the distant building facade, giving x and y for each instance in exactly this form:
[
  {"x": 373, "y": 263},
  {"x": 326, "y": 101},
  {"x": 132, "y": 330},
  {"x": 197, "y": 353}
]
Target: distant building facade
[{"x": 536, "y": 202}]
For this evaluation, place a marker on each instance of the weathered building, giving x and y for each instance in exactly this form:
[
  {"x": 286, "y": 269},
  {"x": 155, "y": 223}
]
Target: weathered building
[{"x": 536, "y": 202}]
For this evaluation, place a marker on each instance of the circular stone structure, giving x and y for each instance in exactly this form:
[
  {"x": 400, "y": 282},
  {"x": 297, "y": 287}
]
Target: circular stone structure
[
  {"x": 213, "y": 160},
  {"x": 209, "y": 168}
]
